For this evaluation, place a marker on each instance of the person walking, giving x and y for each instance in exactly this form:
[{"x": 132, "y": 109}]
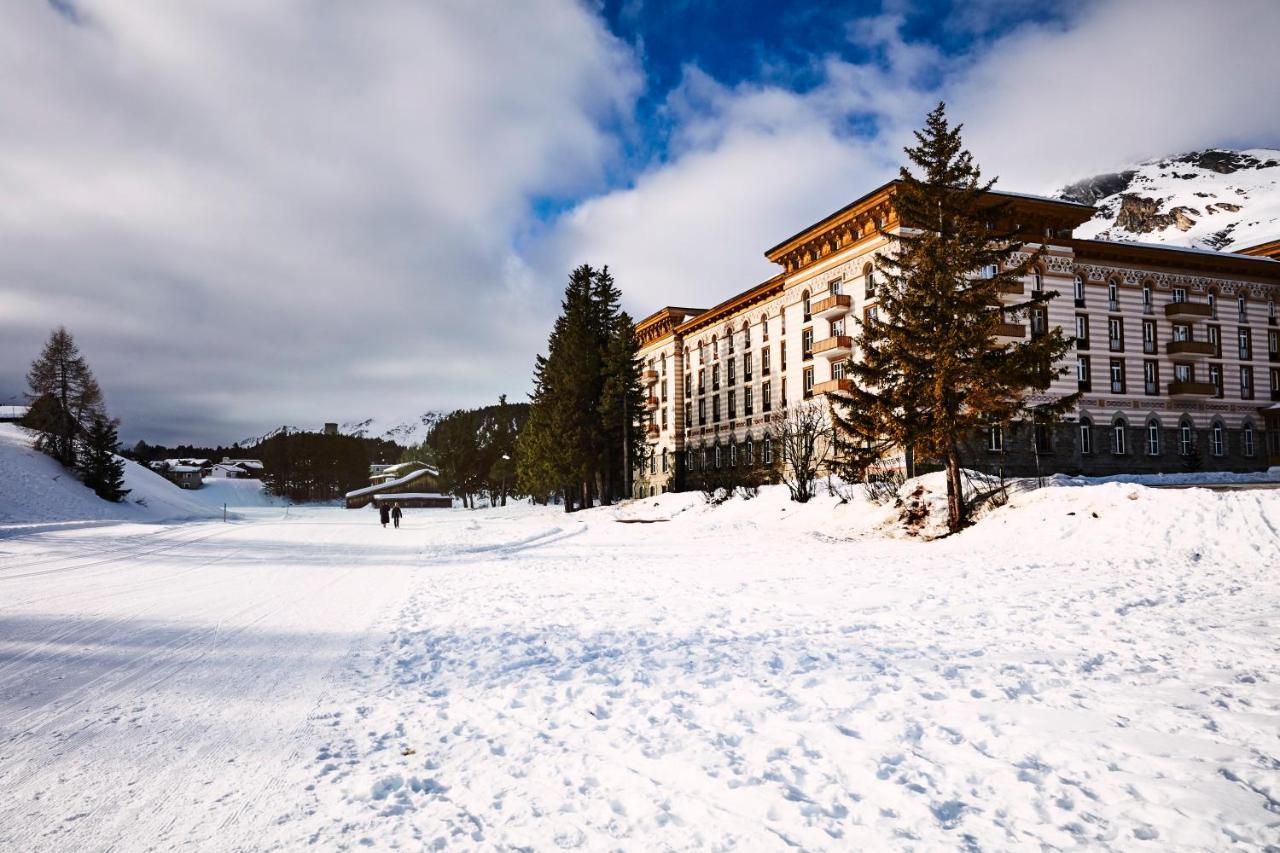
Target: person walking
[
  {"x": 384, "y": 513},
  {"x": 396, "y": 513}
]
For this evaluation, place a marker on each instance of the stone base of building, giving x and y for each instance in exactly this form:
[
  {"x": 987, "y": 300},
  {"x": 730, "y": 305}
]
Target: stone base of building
[{"x": 1019, "y": 457}]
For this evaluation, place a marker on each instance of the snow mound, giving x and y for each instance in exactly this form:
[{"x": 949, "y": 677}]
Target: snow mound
[
  {"x": 35, "y": 489},
  {"x": 235, "y": 494}
]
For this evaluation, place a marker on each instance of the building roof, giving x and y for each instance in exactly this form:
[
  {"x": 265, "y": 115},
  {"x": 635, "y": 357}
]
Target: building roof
[
  {"x": 376, "y": 489},
  {"x": 762, "y": 291},
  {"x": 1269, "y": 249},
  {"x": 1182, "y": 256}
]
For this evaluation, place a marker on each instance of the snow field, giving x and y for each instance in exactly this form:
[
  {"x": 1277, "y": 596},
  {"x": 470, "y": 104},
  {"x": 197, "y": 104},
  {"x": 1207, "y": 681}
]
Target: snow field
[{"x": 1089, "y": 667}]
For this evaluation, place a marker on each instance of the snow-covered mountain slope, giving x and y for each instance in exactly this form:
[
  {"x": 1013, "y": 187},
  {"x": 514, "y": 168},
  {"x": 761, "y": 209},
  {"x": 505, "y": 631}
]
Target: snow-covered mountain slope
[
  {"x": 36, "y": 489},
  {"x": 1213, "y": 199}
]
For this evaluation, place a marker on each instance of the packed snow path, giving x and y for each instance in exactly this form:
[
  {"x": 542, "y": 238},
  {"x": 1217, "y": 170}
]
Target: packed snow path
[{"x": 1094, "y": 667}]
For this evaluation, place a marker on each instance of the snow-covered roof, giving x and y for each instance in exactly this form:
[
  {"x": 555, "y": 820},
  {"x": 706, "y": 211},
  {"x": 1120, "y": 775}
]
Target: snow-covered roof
[
  {"x": 243, "y": 463},
  {"x": 185, "y": 469},
  {"x": 397, "y": 496},
  {"x": 405, "y": 480}
]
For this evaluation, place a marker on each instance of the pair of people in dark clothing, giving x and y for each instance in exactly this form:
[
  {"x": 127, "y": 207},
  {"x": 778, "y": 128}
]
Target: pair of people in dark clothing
[{"x": 390, "y": 513}]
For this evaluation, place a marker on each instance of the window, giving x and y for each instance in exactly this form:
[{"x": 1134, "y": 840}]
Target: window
[
  {"x": 731, "y": 371},
  {"x": 1082, "y": 331},
  {"x": 782, "y": 354},
  {"x": 1115, "y": 331},
  {"x": 688, "y": 415},
  {"x": 1117, "y": 376},
  {"x": 688, "y": 385},
  {"x": 989, "y": 271},
  {"x": 837, "y": 370},
  {"x": 808, "y": 382},
  {"x": 1079, "y": 291},
  {"x": 1246, "y": 383},
  {"x": 1039, "y": 321},
  {"x": 702, "y": 380},
  {"x": 653, "y": 463},
  {"x": 733, "y": 455},
  {"x": 1246, "y": 439},
  {"x": 1182, "y": 373},
  {"x": 751, "y": 451},
  {"x": 715, "y": 348},
  {"x": 869, "y": 282},
  {"x": 1245, "y": 338},
  {"x": 1086, "y": 436},
  {"x": 1271, "y": 311},
  {"x": 702, "y": 352},
  {"x": 1180, "y": 295},
  {"x": 1037, "y": 282},
  {"x": 1275, "y": 383},
  {"x": 1083, "y": 373},
  {"x": 1153, "y": 437},
  {"x": 995, "y": 439},
  {"x": 664, "y": 460},
  {"x": 836, "y": 286},
  {"x": 805, "y": 300},
  {"x": 747, "y": 408},
  {"x": 663, "y": 390},
  {"x": 664, "y": 418},
  {"x": 837, "y": 327},
  {"x": 764, "y": 328},
  {"x": 1151, "y": 377},
  {"x": 1181, "y": 332},
  {"x": 806, "y": 344},
  {"x": 1149, "y": 337},
  {"x": 1113, "y": 295},
  {"x": 766, "y": 397},
  {"x": 702, "y": 411},
  {"x": 715, "y": 408},
  {"x": 746, "y": 335},
  {"x": 717, "y": 454},
  {"x": 782, "y": 392},
  {"x": 746, "y": 367},
  {"x": 768, "y": 450},
  {"x": 733, "y": 404},
  {"x": 1042, "y": 436},
  {"x": 1118, "y": 431},
  {"x": 1217, "y": 439},
  {"x": 728, "y": 340},
  {"x": 1215, "y": 338},
  {"x": 871, "y": 315},
  {"x": 1242, "y": 308},
  {"x": 715, "y": 377},
  {"x": 1273, "y": 345},
  {"x": 1147, "y": 307},
  {"x": 1213, "y": 304},
  {"x": 1215, "y": 378},
  {"x": 1186, "y": 439},
  {"x": 765, "y": 358}
]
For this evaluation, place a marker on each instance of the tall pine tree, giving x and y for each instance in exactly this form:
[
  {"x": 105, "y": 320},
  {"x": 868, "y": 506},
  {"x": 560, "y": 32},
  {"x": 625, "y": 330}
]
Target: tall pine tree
[
  {"x": 66, "y": 398},
  {"x": 930, "y": 371}
]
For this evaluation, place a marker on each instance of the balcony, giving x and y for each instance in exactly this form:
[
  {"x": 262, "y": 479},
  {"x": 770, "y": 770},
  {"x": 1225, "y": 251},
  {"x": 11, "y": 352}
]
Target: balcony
[
  {"x": 836, "y": 346},
  {"x": 843, "y": 386},
  {"x": 651, "y": 431},
  {"x": 1188, "y": 311},
  {"x": 1190, "y": 349},
  {"x": 1192, "y": 389},
  {"x": 832, "y": 307},
  {"x": 651, "y": 403},
  {"x": 648, "y": 377},
  {"x": 1017, "y": 287},
  {"x": 1010, "y": 330}
]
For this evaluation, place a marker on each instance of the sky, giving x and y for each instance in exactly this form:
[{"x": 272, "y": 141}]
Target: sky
[{"x": 255, "y": 214}]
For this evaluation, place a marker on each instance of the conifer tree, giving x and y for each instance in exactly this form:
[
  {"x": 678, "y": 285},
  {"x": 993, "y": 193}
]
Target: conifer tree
[
  {"x": 621, "y": 403},
  {"x": 99, "y": 467},
  {"x": 930, "y": 370},
  {"x": 65, "y": 397}
]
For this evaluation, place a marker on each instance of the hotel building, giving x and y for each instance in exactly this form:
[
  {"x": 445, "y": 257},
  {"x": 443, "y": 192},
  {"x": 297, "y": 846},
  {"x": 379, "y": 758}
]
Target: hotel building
[{"x": 1176, "y": 354}]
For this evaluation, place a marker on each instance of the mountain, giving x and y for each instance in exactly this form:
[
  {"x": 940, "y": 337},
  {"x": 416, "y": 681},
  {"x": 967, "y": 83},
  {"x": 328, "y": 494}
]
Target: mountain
[{"x": 1212, "y": 199}]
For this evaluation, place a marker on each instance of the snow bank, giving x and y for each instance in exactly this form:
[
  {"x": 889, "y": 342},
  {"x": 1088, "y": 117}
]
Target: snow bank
[
  {"x": 34, "y": 489},
  {"x": 236, "y": 494}
]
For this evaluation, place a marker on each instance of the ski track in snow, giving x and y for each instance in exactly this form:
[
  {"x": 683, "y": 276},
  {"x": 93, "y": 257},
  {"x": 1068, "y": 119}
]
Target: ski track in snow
[{"x": 1091, "y": 667}]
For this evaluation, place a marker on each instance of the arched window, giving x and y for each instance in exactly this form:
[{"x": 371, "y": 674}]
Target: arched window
[
  {"x": 1186, "y": 438},
  {"x": 1086, "y": 436},
  {"x": 746, "y": 335},
  {"x": 869, "y": 281},
  {"x": 768, "y": 450},
  {"x": 805, "y": 297},
  {"x": 717, "y": 454},
  {"x": 1242, "y": 307},
  {"x": 1119, "y": 430},
  {"x": 751, "y": 451},
  {"x": 728, "y": 339},
  {"x": 1153, "y": 437},
  {"x": 1037, "y": 282},
  {"x": 1113, "y": 295},
  {"x": 733, "y": 455},
  {"x": 1218, "y": 439},
  {"x": 764, "y": 327},
  {"x": 1246, "y": 439},
  {"x": 1079, "y": 291},
  {"x": 715, "y": 348},
  {"x": 1213, "y": 303},
  {"x": 1147, "y": 307}
]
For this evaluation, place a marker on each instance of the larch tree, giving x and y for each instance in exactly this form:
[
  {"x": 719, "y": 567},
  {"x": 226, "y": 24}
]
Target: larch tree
[
  {"x": 931, "y": 371},
  {"x": 65, "y": 397}
]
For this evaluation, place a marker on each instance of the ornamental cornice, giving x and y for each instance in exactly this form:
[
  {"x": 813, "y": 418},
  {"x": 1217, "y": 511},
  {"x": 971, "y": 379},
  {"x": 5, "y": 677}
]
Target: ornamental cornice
[{"x": 1166, "y": 280}]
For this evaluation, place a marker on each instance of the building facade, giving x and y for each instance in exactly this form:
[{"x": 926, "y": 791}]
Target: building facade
[{"x": 1176, "y": 354}]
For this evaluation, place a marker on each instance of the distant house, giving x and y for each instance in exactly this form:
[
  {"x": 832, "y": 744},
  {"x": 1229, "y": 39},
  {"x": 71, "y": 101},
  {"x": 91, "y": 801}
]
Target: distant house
[
  {"x": 238, "y": 469},
  {"x": 12, "y": 414},
  {"x": 184, "y": 476},
  {"x": 419, "y": 488},
  {"x": 387, "y": 473}
]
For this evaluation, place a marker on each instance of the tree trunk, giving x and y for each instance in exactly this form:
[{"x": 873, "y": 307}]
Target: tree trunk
[
  {"x": 956, "y": 515},
  {"x": 568, "y": 500},
  {"x": 602, "y": 488}
]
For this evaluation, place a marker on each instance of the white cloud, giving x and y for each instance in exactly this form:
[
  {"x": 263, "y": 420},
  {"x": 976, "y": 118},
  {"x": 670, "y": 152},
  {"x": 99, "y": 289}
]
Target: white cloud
[
  {"x": 304, "y": 208},
  {"x": 1043, "y": 105}
]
